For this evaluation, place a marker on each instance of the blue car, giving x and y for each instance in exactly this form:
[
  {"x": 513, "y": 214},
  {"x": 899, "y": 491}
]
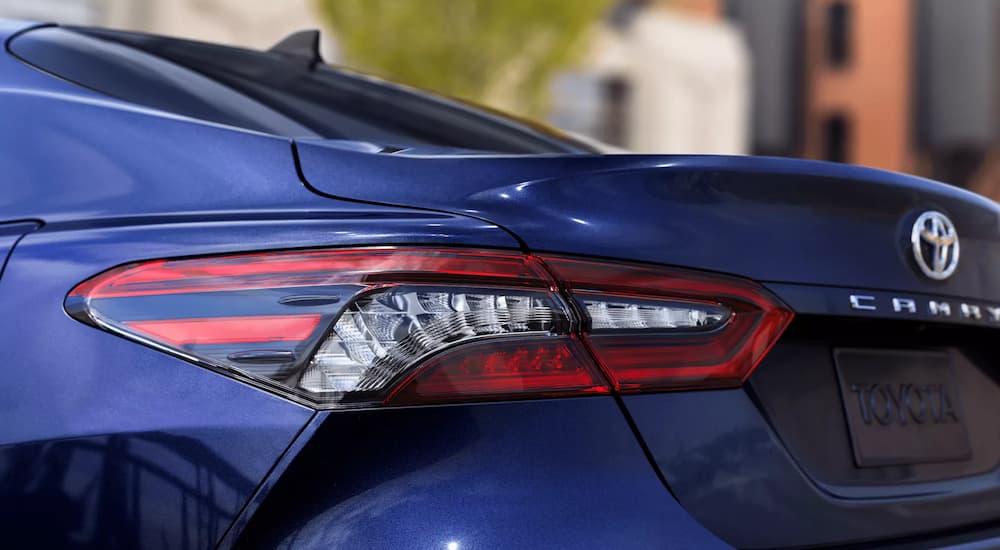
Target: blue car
[{"x": 250, "y": 300}]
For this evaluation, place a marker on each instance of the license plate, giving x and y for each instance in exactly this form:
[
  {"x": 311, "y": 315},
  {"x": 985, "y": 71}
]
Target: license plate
[{"x": 902, "y": 407}]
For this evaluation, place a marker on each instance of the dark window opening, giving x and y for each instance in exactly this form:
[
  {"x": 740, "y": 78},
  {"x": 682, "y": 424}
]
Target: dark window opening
[
  {"x": 273, "y": 93},
  {"x": 838, "y": 29},
  {"x": 622, "y": 14},
  {"x": 958, "y": 165},
  {"x": 836, "y": 138},
  {"x": 614, "y": 117}
]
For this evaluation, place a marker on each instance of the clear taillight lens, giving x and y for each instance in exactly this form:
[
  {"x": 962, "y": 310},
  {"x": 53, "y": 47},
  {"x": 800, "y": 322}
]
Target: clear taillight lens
[
  {"x": 344, "y": 328},
  {"x": 654, "y": 328},
  {"x": 384, "y": 333},
  {"x": 629, "y": 313},
  {"x": 338, "y": 328}
]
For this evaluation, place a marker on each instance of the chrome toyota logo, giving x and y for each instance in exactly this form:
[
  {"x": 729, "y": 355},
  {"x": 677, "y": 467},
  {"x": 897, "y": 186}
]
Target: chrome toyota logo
[{"x": 935, "y": 245}]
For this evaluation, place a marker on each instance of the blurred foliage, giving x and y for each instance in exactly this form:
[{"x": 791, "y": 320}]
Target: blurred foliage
[{"x": 499, "y": 52}]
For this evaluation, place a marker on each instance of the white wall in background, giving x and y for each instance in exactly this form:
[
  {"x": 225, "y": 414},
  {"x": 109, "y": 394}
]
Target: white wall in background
[
  {"x": 251, "y": 23},
  {"x": 80, "y": 12},
  {"x": 687, "y": 86}
]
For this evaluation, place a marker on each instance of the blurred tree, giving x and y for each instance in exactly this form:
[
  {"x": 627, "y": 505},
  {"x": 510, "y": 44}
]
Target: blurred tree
[{"x": 500, "y": 52}]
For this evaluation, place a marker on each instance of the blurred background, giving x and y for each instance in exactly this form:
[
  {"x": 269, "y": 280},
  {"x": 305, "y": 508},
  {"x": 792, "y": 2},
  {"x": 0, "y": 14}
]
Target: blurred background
[{"x": 906, "y": 85}]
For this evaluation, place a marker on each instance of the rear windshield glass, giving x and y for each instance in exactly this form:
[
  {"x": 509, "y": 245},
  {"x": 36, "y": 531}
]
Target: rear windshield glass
[{"x": 272, "y": 92}]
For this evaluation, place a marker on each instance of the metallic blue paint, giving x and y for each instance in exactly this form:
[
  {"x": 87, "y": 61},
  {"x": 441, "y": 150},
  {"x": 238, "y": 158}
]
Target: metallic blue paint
[
  {"x": 107, "y": 443},
  {"x": 535, "y": 474},
  {"x": 89, "y": 416},
  {"x": 10, "y": 234},
  {"x": 729, "y": 469},
  {"x": 776, "y": 220}
]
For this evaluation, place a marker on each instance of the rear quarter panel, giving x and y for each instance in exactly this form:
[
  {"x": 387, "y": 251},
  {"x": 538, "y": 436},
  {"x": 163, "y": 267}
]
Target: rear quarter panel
[{"x": 106, "y": 443}]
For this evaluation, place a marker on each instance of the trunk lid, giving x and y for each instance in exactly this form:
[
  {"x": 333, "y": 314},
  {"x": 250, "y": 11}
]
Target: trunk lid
[
  {"x": 776, "y": 220},
  {"x": 874, "y": 418}
]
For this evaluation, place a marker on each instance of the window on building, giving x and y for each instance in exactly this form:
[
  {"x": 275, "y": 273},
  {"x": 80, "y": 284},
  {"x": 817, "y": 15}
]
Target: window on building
[
  {"x": 957, "y": 165},
  {"x": 836, "y": 138},
  {"x": 614, "y": 119},
  {"x": 838, "y": 34}
]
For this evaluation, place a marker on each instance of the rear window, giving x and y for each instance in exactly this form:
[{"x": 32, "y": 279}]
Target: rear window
[{"x": 273, "y": 92}]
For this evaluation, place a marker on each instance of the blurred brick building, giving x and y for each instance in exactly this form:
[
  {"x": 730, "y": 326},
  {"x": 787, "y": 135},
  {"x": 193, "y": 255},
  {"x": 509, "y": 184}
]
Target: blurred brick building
[{"x": 908, "y": 85}]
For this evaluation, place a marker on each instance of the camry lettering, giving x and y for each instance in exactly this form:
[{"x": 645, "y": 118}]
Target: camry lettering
[
  {"x": 884, "y": 404},
  {"x": 972, "y": 312},
  {"x": 927, "y": 307},
  {"x": 904, "y": 305},
  {"x": 942, "y": 309},
  {"x": 863, "y": 303},
  {"x": 994, "y": 314}
]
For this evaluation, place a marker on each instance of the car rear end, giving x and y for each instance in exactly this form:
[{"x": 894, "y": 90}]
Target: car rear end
[
  {"x": 866, "y": 410},
  {"x": 434, "y": 347}
]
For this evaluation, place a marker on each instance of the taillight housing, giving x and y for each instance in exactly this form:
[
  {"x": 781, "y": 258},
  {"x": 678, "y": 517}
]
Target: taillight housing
[
  {"x": 342, "y": 328},
  {"x": 654, "y": 328}
]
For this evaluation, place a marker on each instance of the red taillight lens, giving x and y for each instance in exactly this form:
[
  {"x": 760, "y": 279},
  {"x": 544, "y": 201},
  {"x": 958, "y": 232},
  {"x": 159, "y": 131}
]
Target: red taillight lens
[
  {"x": 228, "y": 330},
  {"x": 343, "y": 328},
  {"x": 535, "y": 367},
  {"x": 653, "y": 328}
]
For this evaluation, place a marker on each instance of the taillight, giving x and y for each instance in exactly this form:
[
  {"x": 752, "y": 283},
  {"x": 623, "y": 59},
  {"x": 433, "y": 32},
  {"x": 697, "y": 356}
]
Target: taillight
[
  {"x": 340, "y": 328},
  {"x": 347, "y": 328},
  {"x": 654, "y": 328}
]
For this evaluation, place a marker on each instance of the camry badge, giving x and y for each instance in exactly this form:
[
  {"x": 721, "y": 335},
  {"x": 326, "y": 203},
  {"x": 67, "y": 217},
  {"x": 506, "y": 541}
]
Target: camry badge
[{"x": 935, "y": 245}]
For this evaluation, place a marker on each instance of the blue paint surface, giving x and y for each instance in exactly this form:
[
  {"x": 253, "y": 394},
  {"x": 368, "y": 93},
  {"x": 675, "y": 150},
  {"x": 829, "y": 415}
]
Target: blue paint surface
[{"x": 105, "y": 443}]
